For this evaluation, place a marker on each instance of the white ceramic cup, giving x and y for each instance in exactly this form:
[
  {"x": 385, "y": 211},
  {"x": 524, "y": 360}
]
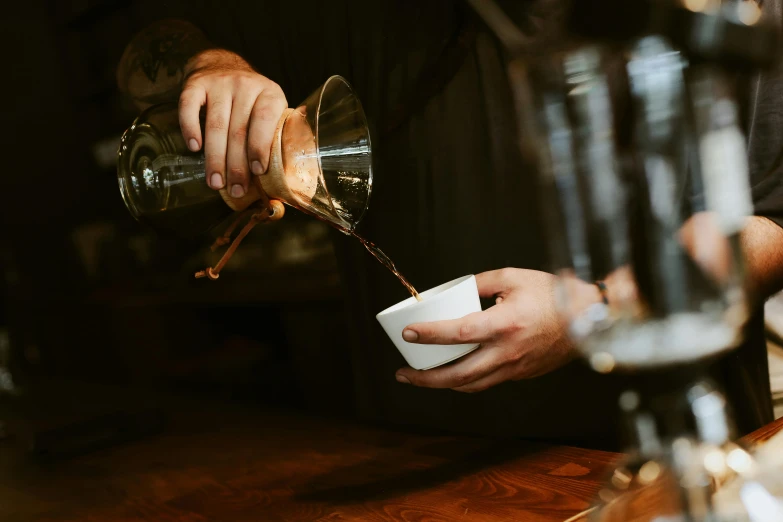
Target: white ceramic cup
[{"x": 452, "y": 300}]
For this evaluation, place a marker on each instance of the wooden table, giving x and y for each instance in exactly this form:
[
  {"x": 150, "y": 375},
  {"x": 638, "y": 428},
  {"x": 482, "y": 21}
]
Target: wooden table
[{"x": 216, "y": 464}]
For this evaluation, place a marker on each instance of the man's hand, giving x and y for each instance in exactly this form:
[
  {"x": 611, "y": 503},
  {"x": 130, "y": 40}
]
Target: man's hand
[
  {"x": 242, "y": 107},
  {"x": 522, "y": 336},
  {"x": 242, "y": 112}
]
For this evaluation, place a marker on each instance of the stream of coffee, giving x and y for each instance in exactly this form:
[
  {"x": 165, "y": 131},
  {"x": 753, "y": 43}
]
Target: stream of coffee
[
  {"x": 376, "y": 252},
  {"x": 387, "y": 262}
]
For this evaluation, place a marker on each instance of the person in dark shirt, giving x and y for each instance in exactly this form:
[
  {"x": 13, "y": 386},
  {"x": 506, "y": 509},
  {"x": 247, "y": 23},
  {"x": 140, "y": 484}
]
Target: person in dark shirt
[{"x": 453, "y": 195}]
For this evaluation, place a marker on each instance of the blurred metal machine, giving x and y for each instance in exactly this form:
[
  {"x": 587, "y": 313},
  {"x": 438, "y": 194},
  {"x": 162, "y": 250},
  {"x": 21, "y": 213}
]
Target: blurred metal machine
[{"x": 633, "y": 118}]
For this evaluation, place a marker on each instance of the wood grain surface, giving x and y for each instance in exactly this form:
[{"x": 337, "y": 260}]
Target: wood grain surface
[
  {"x": 213, "y": 463},
  {"x": 765, "y": 433}
]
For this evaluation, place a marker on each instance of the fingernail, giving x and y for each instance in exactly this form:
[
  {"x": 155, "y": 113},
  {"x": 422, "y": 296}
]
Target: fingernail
[
  {"x": 410, "y": 335},
  {"x": 237, "y": 191},
  {"x": 216, "y": 181},
  {"x": 401, "y": 378},
  {"x": 256, "y": 168},
  {"x": 193, "y": 144}
]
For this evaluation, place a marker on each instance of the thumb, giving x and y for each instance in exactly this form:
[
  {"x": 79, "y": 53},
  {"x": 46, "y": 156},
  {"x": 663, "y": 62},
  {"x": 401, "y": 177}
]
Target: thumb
[{"x": 495, "y": 283}]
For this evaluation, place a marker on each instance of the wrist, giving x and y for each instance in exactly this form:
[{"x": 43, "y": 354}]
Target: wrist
[
  {"x": 215, "y": 59},
  {"x": 577, "y": 296},
  {"x": 603, "y": 291}
]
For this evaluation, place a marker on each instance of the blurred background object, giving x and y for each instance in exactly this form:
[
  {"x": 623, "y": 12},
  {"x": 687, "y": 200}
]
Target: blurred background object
[
  {"x": 92, "y": 297},
  {"x": 774, "y": 322}
]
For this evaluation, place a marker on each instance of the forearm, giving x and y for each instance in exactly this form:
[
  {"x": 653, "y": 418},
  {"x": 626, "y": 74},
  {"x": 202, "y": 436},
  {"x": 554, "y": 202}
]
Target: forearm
[
  {"x": 153, "y": 65},
  {"x": 762, "y": 243}
]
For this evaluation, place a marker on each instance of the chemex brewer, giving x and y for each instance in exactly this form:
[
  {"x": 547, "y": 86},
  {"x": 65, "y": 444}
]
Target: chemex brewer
[{"x": 320, "y": 163}]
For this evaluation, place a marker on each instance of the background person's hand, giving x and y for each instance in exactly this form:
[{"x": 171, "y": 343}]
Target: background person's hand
[
  {"x": 521, "y": 337},
  {"x": 242, "y": 112}
]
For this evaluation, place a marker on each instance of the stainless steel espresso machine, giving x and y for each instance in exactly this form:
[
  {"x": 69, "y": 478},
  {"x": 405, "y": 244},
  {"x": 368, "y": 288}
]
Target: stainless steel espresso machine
[{"x": 635, "y": 123}]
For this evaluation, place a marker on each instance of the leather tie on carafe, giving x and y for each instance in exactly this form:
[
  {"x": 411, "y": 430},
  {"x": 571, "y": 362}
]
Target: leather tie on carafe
[{"x": 255, "y": 202}]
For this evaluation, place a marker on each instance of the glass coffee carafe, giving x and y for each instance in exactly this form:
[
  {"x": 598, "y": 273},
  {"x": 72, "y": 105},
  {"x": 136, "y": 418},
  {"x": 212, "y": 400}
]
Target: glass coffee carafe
[{"x": 320, "y": 163}]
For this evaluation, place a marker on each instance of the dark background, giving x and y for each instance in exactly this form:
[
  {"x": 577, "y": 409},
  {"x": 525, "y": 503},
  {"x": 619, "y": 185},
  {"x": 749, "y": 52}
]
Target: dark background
[{"x": 90, "y": 297}]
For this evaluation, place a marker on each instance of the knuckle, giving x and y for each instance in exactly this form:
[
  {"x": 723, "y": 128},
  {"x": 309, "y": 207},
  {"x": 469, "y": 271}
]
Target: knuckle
[
  {"x": 254, "y": 153},
  {"x": 281, "y": 103},
  {"x": 507, "y": 273},
  {"x": 462, "y": 379},
  {"x": 466, "y": 332},
  {"x": 417, "y": 381},
  {"x": 425, "y": 333},
  {"x": 197, "y": 72},
  {"x": 217, "y": 124},
  {"x": 513, "y": 326},
  {"x": 511, "y": 357},
  {"x": 217, "y": 102},
  {"x": 280, "y": 97},
  {"x": 194, "y": 78},
  {"x": 190, "y": 84},
  {"x": 245, "y": 81},
  {"x": 478, "y": 388},
  {"x": 486, "y": 325},
  {"x": 265, "y": 113},
  {"x": 237, "y": 172},
  {"x": 213, "y": 158},
  {"x": 255, "y": 141},
  {"x": 186, "y": 100},
  {"x": 273, "y": 90},
  {"x": 240, "y": 133},
  {"x": 523, "y": 370}
]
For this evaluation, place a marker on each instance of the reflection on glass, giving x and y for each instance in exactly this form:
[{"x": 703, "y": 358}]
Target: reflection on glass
[
  {"x": 327, "y": 150},
  {"x": 162, "y": 183}
]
